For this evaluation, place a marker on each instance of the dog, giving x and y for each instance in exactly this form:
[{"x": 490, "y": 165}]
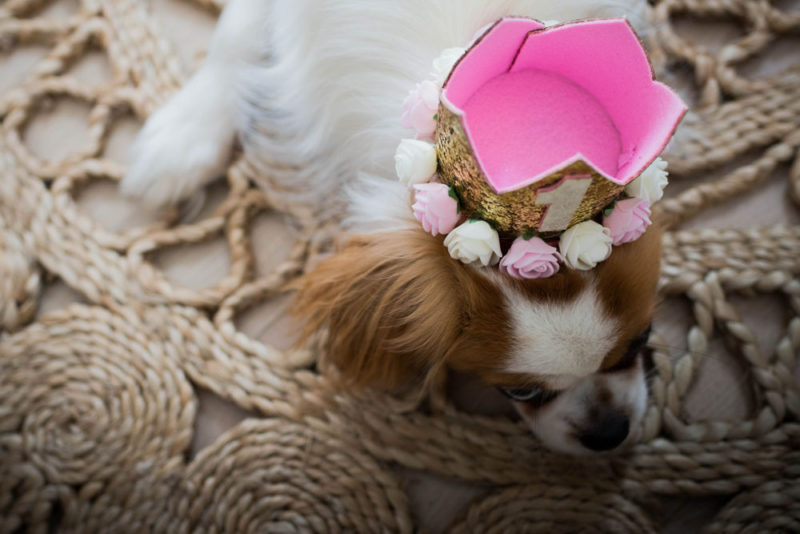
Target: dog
[{"x": 312, "y": 89}]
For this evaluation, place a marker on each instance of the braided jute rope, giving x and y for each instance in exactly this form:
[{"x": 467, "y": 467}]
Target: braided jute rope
[
  {"x": 97, "y": 401},
  {"x": 20, "y": 281}
]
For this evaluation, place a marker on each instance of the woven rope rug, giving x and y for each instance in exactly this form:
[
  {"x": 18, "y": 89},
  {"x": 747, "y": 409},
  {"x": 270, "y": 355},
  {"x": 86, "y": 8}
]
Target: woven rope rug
[{"x": 98, "y": 401}]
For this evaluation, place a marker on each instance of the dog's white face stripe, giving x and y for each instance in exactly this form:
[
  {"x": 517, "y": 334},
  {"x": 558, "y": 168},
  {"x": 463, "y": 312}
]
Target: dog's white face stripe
[{"x": 559, "y": 341}]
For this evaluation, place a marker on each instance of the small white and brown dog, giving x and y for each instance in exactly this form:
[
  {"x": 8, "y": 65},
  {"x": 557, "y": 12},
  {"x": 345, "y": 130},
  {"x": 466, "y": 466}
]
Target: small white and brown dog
[{"x": 313, "y": 90}]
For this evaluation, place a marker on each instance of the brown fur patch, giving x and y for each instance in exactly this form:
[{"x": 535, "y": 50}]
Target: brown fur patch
[
  {"x": 395, "y": 306},
  {"x": 603, "y": 395},
  {"x": 564, "y": 286},
  {"x": 627, "y": 284}
]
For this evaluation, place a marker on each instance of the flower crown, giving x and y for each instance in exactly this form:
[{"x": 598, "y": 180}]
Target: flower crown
[{"x": 549, "y": 136}]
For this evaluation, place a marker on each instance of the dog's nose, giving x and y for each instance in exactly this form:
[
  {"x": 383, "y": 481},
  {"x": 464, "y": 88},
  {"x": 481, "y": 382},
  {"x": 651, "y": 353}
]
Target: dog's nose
[{"x": 606, "y": 433}]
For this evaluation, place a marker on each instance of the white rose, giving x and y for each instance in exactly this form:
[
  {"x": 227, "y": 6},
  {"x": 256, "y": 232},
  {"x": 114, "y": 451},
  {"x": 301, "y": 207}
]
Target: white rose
[
  {"x": 585, "y": 245},
  {"x": 443, "y": 64},
  {"x": 474, "y": 241},
  {"x": 650, "y": 184},
  {"x": 415, "y": 161}
]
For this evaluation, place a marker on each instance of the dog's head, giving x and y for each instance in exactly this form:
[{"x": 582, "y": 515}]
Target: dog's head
[{"x": 565, "y": 349}]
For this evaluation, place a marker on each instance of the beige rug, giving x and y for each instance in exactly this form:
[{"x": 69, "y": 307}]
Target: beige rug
[{"x": 145, "y": 380}]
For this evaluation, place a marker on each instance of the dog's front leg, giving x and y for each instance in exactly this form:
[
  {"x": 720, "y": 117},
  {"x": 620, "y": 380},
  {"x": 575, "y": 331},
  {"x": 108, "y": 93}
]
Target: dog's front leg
[{"x": 188, "y": 141}]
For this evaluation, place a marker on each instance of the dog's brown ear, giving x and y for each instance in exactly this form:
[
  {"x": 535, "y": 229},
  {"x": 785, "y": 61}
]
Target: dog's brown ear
[{"x": 390, "y": 303}]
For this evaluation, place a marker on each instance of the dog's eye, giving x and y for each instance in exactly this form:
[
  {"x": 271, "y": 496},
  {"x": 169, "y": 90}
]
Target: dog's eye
[
  {"x": 521, "y": 394},
  {"x": 533, "y": 395},
  {"x": 633, "y": 351}
]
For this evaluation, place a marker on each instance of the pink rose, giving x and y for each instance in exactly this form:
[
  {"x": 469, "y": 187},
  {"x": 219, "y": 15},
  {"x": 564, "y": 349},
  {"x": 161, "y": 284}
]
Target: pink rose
[
  {"x": 419, "y": 107},
  {"x": 435, "y": 208},
  {"x": 628, "y": 220},
  {"x": 532, "y": 258}
]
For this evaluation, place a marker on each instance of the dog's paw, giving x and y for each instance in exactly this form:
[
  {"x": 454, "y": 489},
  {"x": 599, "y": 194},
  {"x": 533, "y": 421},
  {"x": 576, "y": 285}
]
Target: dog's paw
[{"x": 184, "y": 145}]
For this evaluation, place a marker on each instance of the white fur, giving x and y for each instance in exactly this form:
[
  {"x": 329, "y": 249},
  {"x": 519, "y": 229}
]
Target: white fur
[
  {"x": 185, "y": 144},
  {"x": 384, "y": 206},
  {"x": 558, "y": 423},
  {"x": 188, "y": 141},
  {"x": 323, "y": 108},
  {"x": 629, "y": 390},
  {"x": 561, "y": 341}
]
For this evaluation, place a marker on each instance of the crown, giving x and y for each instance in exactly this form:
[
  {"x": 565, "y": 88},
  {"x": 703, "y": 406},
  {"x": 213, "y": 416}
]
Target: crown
[{"x": 547, "y": 136}]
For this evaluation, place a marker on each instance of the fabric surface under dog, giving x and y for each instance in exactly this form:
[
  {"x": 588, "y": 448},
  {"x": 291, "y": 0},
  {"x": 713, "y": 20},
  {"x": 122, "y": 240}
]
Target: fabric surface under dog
[{"x": 146, "y": 382}]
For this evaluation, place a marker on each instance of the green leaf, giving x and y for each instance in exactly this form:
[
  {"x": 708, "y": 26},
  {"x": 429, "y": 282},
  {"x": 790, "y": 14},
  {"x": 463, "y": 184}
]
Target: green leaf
[
  {"x": 452, "y": 193},
  {"x": 436, "y": 117},
  {"x": 527, "y": 236}
]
